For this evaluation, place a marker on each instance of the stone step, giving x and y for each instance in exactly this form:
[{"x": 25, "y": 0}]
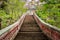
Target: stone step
[
  {"x": 30, "y": 22},
  {"x": 29, "y": 25},
  {"x": 29, "y": 19},
  {"x": 31, "y": 28},
  {"x": 31, "y": 36}
]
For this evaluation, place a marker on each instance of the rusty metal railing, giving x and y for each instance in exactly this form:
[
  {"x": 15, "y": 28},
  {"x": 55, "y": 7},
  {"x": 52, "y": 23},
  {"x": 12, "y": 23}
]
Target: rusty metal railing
[
  {"x": 11, "y": 31},
  {"x": 49, "y": 30}
]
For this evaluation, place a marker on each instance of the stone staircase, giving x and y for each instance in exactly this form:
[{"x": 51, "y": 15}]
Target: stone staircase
[{"x": 30, "y": 30}]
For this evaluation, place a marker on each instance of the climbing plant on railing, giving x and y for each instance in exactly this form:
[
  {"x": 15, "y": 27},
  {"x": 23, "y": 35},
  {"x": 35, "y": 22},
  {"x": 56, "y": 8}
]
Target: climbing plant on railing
[
  {"x": 11, "y": 12},
  {"x": 50, "y": 12}
]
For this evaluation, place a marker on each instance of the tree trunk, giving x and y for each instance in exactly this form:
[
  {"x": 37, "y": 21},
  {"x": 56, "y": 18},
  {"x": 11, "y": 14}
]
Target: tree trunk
[{"x": 0, "y": 25}]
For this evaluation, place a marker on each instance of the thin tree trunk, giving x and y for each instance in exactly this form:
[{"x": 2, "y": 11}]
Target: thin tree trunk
[{"x": 0, "y": 25}]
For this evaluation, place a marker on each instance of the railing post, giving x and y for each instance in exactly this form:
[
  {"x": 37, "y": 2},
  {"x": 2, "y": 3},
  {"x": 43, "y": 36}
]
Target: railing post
[{"x": 0, "y": 23}]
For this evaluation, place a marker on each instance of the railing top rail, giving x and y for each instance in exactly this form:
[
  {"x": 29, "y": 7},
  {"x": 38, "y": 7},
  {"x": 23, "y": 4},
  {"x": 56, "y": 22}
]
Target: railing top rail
[
  {"x": 11, "y": 26},
  {"x": 54, "y": 27},
  {"x": 7, "y": 28}
]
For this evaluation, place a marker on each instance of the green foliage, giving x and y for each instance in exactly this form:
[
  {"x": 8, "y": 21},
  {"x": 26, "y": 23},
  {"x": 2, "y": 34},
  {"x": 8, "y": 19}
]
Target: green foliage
[
  {"x": 51, "y": 1},
  {"x": 11, "y": 12},
  {"x": 50, "y": 12}
]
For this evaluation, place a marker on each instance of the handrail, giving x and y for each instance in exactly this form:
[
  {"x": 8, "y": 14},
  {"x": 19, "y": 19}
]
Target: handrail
[
  {"x": 8, "y": 28},
  {"x": 54, "y": 27},
  {"x": 49, "y": 30},
  {"x": 12, "y": 29}
]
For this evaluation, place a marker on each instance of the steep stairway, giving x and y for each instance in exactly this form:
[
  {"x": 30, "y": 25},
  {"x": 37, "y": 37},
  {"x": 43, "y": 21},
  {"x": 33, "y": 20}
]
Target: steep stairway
[{"x": 30, "y": 30}]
